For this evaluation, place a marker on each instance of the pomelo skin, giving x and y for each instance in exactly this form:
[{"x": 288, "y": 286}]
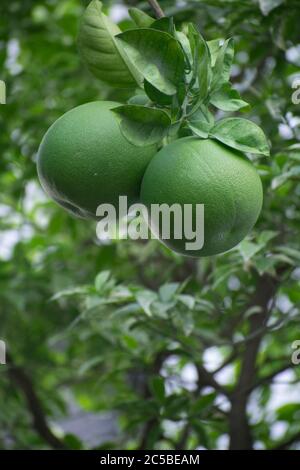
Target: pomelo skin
[
  {"x": 84, "y": 160},
  {"x": 195, "y": 171}
]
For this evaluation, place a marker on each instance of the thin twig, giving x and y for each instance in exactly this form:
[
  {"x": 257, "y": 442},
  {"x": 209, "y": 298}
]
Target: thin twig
[{"x": 156, "y": 8}]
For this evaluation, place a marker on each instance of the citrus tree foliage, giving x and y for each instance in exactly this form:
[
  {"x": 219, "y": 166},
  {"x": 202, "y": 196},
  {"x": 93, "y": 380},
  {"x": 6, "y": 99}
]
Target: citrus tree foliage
[{"x": 187, "y": 353}]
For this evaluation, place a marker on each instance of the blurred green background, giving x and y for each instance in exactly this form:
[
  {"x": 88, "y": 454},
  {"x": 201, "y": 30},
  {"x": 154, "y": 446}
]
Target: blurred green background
[{"x": 125, "y": 344}]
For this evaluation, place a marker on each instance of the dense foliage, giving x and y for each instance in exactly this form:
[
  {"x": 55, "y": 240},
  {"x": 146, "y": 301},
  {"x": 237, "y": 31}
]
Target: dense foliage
[{"x": 186, "y": 353}]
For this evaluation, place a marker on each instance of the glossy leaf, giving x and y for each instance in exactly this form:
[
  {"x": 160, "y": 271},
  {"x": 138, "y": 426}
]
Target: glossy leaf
[
  {"x": 221, "y": 69},
  {"x": 157, "y": 56},
  {"x": 157, "y": 386},
  {"x": 140, "y": 18},
  {"x": 141, "y": 99},
  {"x": 249, "y": 249},
  {"x": 214, "y": 47},
  {"x": 167, "y": 291},
  {"x": 145, "y": 299},
  {"x": 293, "y": 173},
  {"x": 101, "y": 280},
  {"x": 201, "y": 122},
  {"x": 185, "y": 44},
  {"x": 201, "y": 62},
  {"x": 164, "y": 24},
  {"x": 241, "y": 134},
  {"x": 157, "y": 96},
  {"x": 99, "y": 49},
  {"x": 141, "y": 125},
  {"x": 227, "y": 98}
]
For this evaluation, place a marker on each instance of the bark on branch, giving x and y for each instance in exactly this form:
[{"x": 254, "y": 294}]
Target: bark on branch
[
  {"x": 240, "y": 433},
  {"x": 22, "y": 381}
]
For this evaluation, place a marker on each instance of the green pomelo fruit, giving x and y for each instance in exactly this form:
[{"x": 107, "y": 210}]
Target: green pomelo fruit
[
  {"x": 84, "y": 160},
  {"x": 195, "y": 171}
]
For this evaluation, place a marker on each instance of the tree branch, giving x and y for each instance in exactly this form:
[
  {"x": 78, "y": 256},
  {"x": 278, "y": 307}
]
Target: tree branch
[
  {"x": 206, "y": 379},
  {"x": 268, "y": 378},
  {"x": 240, "y": 434},
  {"x": 286, "y": 444},
  {"x": 156, "y": 8},
  {"x": 153, "y": 422},
  {"x": 181, "y": 444},
  {"x": 19, "y": 377}
]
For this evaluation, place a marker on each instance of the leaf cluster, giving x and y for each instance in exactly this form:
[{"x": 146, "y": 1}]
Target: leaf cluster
[{"x": 180, "y": 78}]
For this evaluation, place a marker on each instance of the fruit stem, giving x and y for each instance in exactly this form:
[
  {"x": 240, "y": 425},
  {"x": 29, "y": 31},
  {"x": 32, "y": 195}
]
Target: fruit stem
[{"x": 157, "y": 8}]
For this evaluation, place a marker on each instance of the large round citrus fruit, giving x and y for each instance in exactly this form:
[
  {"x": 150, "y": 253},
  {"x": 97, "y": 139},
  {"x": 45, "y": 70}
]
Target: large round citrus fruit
[
  {"x": 84, "y": 160},
  {"x": 195, "y": 171}
]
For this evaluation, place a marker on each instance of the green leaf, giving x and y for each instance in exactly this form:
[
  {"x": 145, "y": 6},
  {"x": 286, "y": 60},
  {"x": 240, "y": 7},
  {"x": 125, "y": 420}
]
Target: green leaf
[
  {"x": 130, "y": 342},
  {"x": 254, "y": 310},
  {"x": 140, "y": 18},
  {"x": 200, "y": 129},
  {"x": 202, "y": 403},
  {"x": 167, "y": 291},
  {"x": 266, "y": 235},
  {"x": 287, "y": 412},
  {"x": 221, "y": 70},
  {"x": 266, "y": 6},
  {"x": 184, "y": 323},
  {"x": 101, "y": 280},
  {"x": 157, "y": 56},
  {"x": 70, "y": 292},
  {"x": 99, "y": 49},
  {"x": 249, "y": 249},
  {"x": 201, "y": 113},
  {"x": 204, "y": 71},
  {"x": 176, "y": 405},
  {"x": 141, "y": 99},
  {"x": 279, "y": 180},
  {"x": 201, "y": 122},
  {"x": 72, "y": 442},
  {"x": 227, "y": 98},
  {"x": 164, "y": 24},
  {"x": 241, "y": 134},
  {"x": 157, "y": 96},
  {"x": 265, "y": 265},
  {"x": 294, "y": 152},
  {"x": 291, "y": 252},
  {"x": 185, "y": 44},
  {"x": 205, "y": 305},
  {"x": 157, "y": 386},
  {"x": 145, "y": 299},
  {"x": 187, "y": 300},
  {"x": 86, "y": 366},
  {"x": 214, "y": 47},
  {"x": 202, "y": 64},
  {"x": 141, "y": 125}
]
